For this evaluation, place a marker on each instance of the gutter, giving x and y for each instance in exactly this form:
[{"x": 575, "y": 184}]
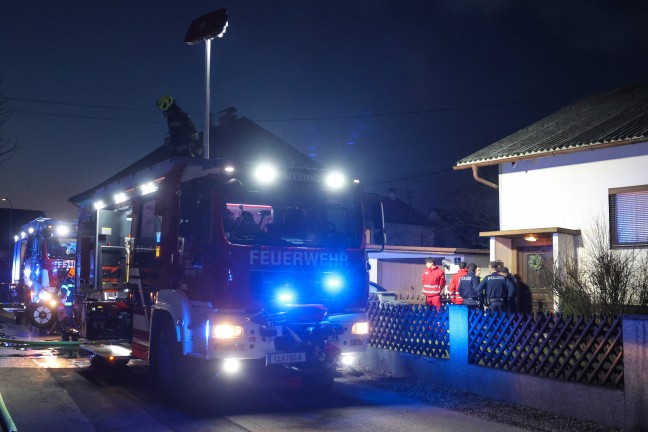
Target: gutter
[{"x": 475, "y": 171}]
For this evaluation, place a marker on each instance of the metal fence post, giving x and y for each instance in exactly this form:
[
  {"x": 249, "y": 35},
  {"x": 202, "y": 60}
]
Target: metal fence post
[
  {"x": 458, "y": 329},
  {"x": 635, "y": 371}
]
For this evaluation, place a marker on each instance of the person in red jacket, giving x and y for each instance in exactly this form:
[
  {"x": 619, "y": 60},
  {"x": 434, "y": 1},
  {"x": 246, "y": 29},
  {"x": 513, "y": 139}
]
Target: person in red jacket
[
  {"x": 453, "y": 288},
  {"x": 434, "y": 281}
]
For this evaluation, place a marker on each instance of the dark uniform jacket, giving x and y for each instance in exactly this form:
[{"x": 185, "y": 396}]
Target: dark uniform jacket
[
  {"x": 469, "y": 289},
  {"x": 182, "y": 132},
  {"x": 497, "y": 288}
]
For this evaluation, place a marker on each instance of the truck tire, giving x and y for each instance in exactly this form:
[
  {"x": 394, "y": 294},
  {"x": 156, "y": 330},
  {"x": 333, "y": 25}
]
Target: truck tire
[
  {"x": 41, "y": 315},
  {"x": 166, "y": 364}
]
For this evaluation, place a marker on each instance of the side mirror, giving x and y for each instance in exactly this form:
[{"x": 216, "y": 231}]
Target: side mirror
[
  {"x": 375, "y": 219},
  {"x": 231, "y": 187}
]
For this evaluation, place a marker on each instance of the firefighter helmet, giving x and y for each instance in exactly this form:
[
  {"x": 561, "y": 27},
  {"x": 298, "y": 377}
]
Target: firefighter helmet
[{"x": 165, "y": 102}]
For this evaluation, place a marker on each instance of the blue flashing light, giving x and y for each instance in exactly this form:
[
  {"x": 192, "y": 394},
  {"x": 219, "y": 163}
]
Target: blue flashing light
[
  {"x": 333, "y": 283},
  {"x": 207, "y": 330},
  {"x": 286, "y": 297}
]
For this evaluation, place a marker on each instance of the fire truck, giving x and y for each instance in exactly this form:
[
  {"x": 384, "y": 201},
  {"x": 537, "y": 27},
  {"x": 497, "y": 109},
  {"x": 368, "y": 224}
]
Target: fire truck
[
  {"x": 251, "y": 259},
  {"x": 44, "y": 252}
]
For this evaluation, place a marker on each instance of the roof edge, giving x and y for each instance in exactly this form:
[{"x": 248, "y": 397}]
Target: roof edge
[
  {"x": 433, "y": 250},
  {"x": 589, "y": 146}
]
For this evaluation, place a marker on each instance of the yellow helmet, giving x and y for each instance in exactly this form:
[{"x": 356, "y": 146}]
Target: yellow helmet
[{"x": 165, "y": 102}]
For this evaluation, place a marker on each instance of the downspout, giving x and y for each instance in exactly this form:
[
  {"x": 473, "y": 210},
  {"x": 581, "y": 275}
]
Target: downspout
[{"x": 481, "y": 180}]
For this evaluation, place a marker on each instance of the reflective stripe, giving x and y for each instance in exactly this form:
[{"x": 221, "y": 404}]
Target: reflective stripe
[{"x": 431, "y": 289}]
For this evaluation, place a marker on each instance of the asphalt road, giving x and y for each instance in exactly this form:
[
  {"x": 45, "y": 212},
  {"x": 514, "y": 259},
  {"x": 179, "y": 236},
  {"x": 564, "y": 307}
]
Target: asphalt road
[{"x": 58, "y": 390}]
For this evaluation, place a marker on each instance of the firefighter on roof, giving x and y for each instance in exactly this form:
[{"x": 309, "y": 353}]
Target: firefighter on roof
[{"x": 182, "y": 132}]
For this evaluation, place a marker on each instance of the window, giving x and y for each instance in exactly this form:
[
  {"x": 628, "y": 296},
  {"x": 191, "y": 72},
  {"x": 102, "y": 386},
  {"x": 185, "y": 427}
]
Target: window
[{"x": 629, "y": 216}]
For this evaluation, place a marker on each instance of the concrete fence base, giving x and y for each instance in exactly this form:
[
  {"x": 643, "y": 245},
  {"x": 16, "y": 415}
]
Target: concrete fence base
[{"x": 625, "y": 408}]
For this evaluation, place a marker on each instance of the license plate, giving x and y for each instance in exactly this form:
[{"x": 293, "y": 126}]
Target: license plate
[{"x": 283, "y": 358}]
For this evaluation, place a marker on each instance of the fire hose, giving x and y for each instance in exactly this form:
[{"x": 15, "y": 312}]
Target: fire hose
[
  {"x": 53, "y": 343},
  {"x": 6, "y": 417}
]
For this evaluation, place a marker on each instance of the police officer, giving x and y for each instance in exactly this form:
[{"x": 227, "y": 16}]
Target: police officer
[
  {"x": 183, "y": 135},
  {"x": 512, "y": 304},
  {"x": 497, "y": 290},
  {"x": 469, "y": 288}
]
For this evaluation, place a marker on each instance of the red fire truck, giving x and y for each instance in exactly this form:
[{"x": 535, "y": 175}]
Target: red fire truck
[
  {"x": 233, "y": 261},
  {"x": 44, "y": 251}
]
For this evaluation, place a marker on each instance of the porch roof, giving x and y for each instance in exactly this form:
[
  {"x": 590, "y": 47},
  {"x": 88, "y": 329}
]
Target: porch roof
[{"x": 529, "y": 231}]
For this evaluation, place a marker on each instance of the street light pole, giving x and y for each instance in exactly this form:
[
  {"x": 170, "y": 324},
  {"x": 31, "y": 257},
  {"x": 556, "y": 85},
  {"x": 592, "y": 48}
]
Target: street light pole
[
  {"x": 205, "y": 28},
  {"x": 207, "y": 99}
]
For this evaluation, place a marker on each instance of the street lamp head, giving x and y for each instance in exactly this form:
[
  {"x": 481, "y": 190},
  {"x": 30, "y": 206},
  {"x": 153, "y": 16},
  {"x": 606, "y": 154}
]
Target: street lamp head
[{"x": 207, "y": 27}]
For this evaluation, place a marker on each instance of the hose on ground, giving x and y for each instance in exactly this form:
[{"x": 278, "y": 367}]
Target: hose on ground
[{"x": 53, "y": 343}]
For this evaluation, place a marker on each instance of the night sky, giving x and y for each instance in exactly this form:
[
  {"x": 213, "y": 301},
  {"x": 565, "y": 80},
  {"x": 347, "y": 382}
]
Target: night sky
[{"x": 388, "y": 90}]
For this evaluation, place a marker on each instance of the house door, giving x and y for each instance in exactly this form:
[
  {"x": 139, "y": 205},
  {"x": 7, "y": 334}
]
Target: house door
[{"x": 534, "y": 262}]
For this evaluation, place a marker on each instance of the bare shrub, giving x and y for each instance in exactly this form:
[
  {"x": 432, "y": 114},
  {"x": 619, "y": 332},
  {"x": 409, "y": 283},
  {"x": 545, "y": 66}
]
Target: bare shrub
[{"x": 601, "y": 280}]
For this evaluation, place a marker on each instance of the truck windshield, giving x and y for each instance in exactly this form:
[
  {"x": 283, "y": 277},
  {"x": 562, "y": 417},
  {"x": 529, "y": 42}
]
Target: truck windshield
[
  {"x": 61, "y": 248},
  {"x": 302, "y": 216}
]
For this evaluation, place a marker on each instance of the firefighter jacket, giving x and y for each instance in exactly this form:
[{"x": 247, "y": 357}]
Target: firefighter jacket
[
  {"x": 497, "y": 288},
  {"x": 469, "y": 290},
  {"x": 453, "y": 287},
  {"x": 433, "y": 281}
]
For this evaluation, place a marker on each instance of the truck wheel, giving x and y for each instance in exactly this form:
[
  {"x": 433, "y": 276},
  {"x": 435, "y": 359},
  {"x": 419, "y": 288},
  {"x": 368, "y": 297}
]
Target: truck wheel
[
  {"x": 41, "y": 316},
  {"x": 166, "y": 365},
  {"x": 319, "y": 382}
]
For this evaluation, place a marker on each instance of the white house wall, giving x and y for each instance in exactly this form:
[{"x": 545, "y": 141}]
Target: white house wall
[{"x": 569, "y": 190}]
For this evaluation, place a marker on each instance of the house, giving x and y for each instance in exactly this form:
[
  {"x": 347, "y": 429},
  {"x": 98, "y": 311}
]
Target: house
[
  {"x": 560, "y": 177},
  {"x": 405, "y": 226},
  {"x": 411, "y": 238}
]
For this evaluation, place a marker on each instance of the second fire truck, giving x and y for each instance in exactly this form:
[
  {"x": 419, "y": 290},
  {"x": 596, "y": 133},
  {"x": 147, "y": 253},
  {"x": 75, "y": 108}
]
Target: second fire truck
[{"x": 44, "y": 253}]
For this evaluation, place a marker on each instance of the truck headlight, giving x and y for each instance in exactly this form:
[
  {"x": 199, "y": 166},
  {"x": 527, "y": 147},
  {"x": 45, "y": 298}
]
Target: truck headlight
[
  {"x": 360, "y": 328},
  {"x": 45, "y": 295},
  {"x": 227, "y": 331},
  {"x": 231, "y": 365}
]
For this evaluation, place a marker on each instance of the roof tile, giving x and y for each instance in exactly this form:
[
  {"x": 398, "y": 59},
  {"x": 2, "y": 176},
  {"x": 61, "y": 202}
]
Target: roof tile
[{"x": 616, "y": 116}]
